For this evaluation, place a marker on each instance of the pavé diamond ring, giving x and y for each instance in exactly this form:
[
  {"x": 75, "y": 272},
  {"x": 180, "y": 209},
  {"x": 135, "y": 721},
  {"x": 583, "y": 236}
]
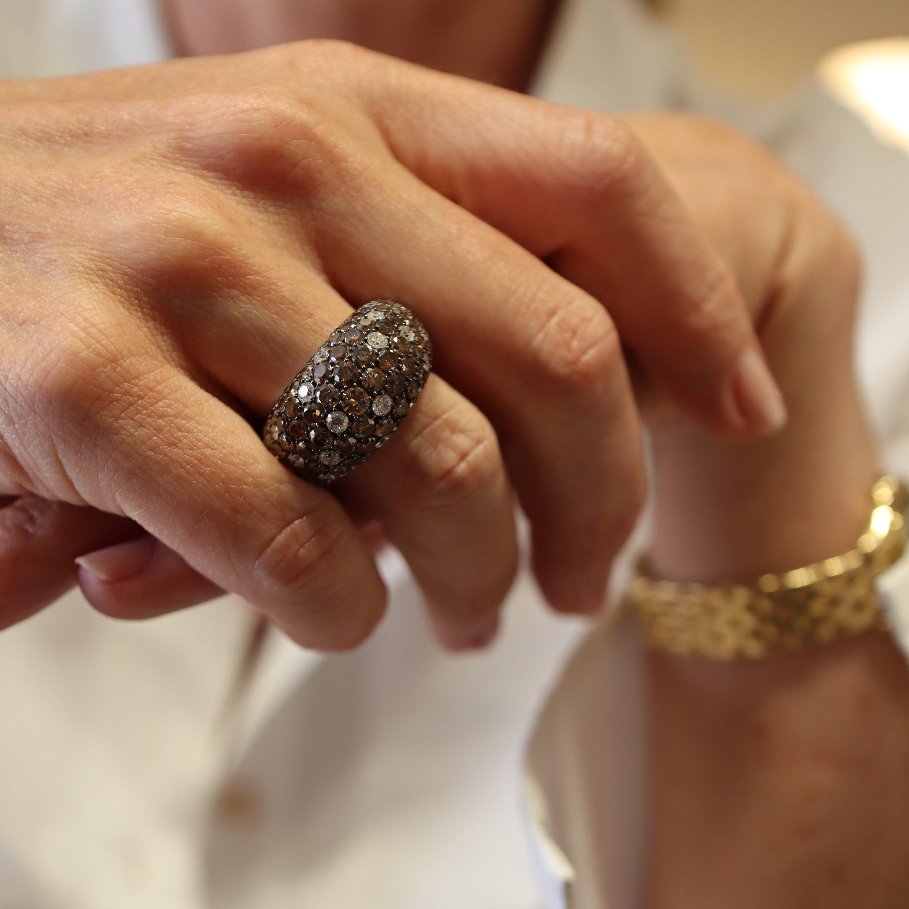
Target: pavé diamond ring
[{"x": 352, "y": 395}]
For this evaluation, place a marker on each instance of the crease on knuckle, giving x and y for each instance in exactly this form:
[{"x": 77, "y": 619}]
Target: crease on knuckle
[
  {"x": 712, "y": 306},
  {"x": 296, "y": 557},
  {"x": 22, "y": 523},
  {"x": 452, "y": 459},
  {"x": 576, "y": 352},
  {"x": 605, "y": 156}
]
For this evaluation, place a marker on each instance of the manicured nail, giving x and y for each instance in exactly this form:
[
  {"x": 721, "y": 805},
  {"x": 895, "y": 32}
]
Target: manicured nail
[
  {"x": 757, "y": 397},
  {"x": 117, "y": 563}
]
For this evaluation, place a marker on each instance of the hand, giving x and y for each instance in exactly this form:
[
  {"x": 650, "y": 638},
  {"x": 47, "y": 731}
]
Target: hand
[
  {"x": 781, "y": 782},
  {"x": 178, "y": 239}
]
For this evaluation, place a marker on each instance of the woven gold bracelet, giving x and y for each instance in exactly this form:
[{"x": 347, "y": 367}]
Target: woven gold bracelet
[{"x": 779, "y": 613}]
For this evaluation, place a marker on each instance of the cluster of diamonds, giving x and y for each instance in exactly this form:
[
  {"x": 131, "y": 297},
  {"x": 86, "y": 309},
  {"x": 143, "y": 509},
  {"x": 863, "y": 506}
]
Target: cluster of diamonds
[{"x": 353, "y": 394}]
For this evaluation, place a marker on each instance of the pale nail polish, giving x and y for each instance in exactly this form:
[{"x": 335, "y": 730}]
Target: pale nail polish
[
  {"x": 117, "y": 563},
  {"x": 757, "y": 397}
]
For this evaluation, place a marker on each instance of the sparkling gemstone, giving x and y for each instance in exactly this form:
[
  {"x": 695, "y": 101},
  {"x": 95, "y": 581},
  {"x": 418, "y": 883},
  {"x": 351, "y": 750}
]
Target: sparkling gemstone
[
  {"x": 387, "y": 361},
  {"x": 320, "y": 356},
  {"x": 408, "y": 367},
  {"x": 399, "y": 344},
  {"x": 297, "y": 461},
  {"x": 414, "y": 388},
  {"x": 394, "y": 384},
  {"x": 284, "y": 442},
  {"x": 297, "y": 429},
  {"x": 373, "y": 379},
  {"x": 381, "y": 405},
  {"x": 289, "y": 407},
  {"x": 363, "y": 426},
  {"x": 312, "y": 414},
  {"x": 376, "y": 340},
  {"x": 318, "y": 438},
  {"x": 362, "y": 355},
  {"x": 273, "y": 428},
  {"x": 401, "y": 409},
  {"x": 337, "y": 421},
  {"x": 384, "y": 428},
  {"x": 408, "y": 334},
  {"x": 372, "y": 316},
  {"x": 305, "y": 392},
  {"x": 344, "y": 374},
  {"x": 329, "y": 458},
  {"x": 320, "y": 370},
  {"x": 353, "y": 335},
  {"x": 328, "y": 396},
  {"x": 337, "y": 352},
  {"x": 354, "y": 400}
]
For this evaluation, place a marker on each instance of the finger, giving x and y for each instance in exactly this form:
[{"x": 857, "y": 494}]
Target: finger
[
  {"x": 438, "y": 488},
  {"x": 577, "y": 189},
  {"x": 38, "y": 542},
  {"x": 197, "y": 477},
  {"x": 442, "y": 494},
  {"x": 540, "y": 358},
  {"x": 141, "y": 578}
]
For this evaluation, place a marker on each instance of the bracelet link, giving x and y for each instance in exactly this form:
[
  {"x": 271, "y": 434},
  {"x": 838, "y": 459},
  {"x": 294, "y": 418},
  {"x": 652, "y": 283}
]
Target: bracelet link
[{"x": 779, "y": 613}]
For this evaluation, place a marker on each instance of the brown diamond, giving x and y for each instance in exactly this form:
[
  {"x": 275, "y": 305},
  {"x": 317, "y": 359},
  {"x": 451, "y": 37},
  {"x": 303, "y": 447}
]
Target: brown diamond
[
  {"x": 355, "y": 401},
  {"x": 344, "y": 374},
  {"x": 387, "y": 361},
  {"x": 373, "y": 379},
  {"x": 394, "y": 384},
  {"x": 328, "y": 396}
]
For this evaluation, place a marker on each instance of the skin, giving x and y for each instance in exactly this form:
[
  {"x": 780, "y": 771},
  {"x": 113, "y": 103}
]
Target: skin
[
  {"x": 187, "y": 234},
  {"x": 734, "y": 748},
  {"x": 783, "y": 782}
]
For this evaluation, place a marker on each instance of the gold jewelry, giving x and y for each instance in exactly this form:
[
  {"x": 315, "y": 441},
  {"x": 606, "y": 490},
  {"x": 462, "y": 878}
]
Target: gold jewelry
[{"x": 779, "y": 613}]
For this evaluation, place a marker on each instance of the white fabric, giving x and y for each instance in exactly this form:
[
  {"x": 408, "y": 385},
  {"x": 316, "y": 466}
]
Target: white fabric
[{"x": 391, "y": 777}]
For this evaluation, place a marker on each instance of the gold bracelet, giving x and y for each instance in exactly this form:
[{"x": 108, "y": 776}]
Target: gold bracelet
[{"x": 779, "y": 613}]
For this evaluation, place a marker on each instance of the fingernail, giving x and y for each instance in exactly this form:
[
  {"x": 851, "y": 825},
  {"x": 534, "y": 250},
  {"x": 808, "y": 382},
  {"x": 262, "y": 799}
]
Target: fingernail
[
  {"x": 757, "y": 397},
  {"x": 475, "y": 639},
  {"x": 117, "y": 563}
]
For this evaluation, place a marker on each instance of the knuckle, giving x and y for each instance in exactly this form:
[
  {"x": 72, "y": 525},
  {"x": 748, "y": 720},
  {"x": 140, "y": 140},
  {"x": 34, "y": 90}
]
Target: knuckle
[
  {"x": 295, "y": 556},
  {"x": 454, "y": 457},
  {"x": 577, "y": 352},
  {"x": 606, "y": 156},
  {"x": 22, "y": 523},
  {"x": 710, "y": 305},
  {"x": 268, "y": 141}
]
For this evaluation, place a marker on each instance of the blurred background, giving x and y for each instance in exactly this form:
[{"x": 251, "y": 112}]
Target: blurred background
[{"x": 762, "y": 48}]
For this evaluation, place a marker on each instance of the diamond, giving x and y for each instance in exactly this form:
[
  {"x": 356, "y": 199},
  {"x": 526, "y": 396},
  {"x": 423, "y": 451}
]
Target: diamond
[
  {"x": 362, "y": 355},
  {"x": 353, "y": 335},
  {"x": 373, "y": 379},
  {"x": 305, "y": 392},
  {"x": 318, "y": 438},
  {"x": 273, "y": 428},
  {"x": 363, "y": 427},
  {"x": 387, "y": 361},
  {"x": 394, "y": 384},
  {"x": 381, "y": 405},
  {"x": 337, "y": 421},
  {"x": 320, "y": 371},
  {"x": 337, "y": 352},
  {"x": 401, "y": 409},
  {"x": 329, "y": 458},
  {"x": 354, "y": 400},
  {"x": 384, "y": 428},
  {"x": 408, "y": 334},
  {"x": 376, "y": 340},
  {"x": 414, "y": 387},
  {"x": 344, "y": 374},
  {"x": 328, "y": 396}
]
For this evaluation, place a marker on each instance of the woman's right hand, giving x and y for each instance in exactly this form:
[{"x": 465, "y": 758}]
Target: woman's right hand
[{"x": 177, "y": 240}]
